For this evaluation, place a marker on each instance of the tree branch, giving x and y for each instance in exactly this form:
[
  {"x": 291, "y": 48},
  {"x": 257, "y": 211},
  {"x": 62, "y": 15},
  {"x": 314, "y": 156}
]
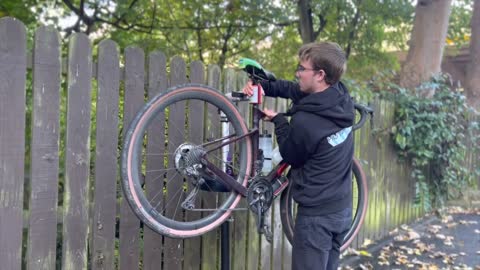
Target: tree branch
[{"x": 352, "y": 33}]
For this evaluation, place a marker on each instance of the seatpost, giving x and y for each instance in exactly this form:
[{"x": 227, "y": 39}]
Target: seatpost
[{"x": 256, "y": 101}]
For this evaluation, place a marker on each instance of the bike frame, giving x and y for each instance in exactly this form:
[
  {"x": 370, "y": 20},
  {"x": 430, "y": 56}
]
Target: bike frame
[{"x": 253, "y": 133}]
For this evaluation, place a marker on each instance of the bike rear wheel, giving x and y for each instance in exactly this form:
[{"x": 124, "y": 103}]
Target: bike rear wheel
[
  {"x": 288, "y": 207},
  {"x": 163, "y": 179}
]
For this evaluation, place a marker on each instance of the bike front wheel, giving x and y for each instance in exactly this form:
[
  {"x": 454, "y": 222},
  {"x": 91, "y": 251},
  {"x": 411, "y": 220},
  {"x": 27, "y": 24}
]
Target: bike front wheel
[
  {"x": 288, "y": 207},
  {"x": 163, "y": 179}
]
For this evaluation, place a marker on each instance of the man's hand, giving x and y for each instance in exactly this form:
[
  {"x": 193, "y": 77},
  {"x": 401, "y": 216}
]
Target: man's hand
[
  {"x": 248, "y": 88},
  {"x": 269, "y": 114}
]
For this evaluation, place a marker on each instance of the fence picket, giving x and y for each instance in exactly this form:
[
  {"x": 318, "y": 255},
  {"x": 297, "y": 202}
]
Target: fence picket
[
  {"x": 173, "y": 248},
  {"x": 134, "y": 100},
  {"x": 105, "y": 193},
  {"x": 210, "y": 239},
  {"x": 192, "y": 258},
  {"x": 240, "y": 218},
  {"x": 266, "y": 247},
  {"x": 42, "y": 232},
  {"x": 77, "y": 155},
  {"x": 157, "y": 83},
  {"x": 13, "y": 65},
  {"x": 282, "y": 257}
]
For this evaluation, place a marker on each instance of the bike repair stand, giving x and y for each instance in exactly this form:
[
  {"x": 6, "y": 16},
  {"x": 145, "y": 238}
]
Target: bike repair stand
[
  {"x": 225, "y": 245},
  {"x": 225, "y": 228}
]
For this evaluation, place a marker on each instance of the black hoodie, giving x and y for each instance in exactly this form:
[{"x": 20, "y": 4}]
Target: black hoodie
[{"x": 318, "y": 144}]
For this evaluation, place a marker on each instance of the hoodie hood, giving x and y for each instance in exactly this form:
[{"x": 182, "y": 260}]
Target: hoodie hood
[{"x": 334, "y": 104}]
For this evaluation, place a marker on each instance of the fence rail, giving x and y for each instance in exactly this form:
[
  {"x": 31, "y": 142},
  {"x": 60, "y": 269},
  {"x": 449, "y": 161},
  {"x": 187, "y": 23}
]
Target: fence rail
[{"x": 59, "y": 137}]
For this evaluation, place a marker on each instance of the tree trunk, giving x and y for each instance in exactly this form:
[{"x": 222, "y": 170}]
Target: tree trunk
[
  {"x": 306, "y": 22},
  {"x": 473, "y": 68},
  {"x": 426, "y": 43}
]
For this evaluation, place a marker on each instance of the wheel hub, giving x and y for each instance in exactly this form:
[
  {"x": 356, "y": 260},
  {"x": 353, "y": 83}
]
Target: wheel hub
[{"x": 187, "y": 159}]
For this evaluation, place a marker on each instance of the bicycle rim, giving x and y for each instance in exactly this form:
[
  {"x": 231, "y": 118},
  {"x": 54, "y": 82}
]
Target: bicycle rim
[
  {"x": 162, "y": 143},
  {"x": 288, "y": 207}
]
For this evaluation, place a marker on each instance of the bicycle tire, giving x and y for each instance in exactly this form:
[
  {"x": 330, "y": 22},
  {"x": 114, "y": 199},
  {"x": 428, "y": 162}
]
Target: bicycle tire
[
  {"x": 133, "y": 153},
  {"x": 287, "y": 206}
]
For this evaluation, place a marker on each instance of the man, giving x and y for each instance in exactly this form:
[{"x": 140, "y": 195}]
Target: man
[{"x": 318, "y": 144}]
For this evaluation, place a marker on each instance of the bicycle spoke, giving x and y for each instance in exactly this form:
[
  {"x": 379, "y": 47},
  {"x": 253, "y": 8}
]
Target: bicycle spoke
[
  {"x": 162, "y": 190},
  {"x": 159, "y": 154},
  {"x": 161, "y": 170},
  {"x": 167, "y": 203}
]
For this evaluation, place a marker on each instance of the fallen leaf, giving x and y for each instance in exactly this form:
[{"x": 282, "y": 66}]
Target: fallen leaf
[
  {"x": 401, "y": 237},
  {"x": 367, "y": 266},
  {"x": 434, "y": 229},
  {"x": 413, "y": 235},
  {"x": 447, "y": 219},
  {"x": 395, "y": 231},
  {"x": 352, "y": 251},
  {"x": 416, "y": 261},
  {"x": 451, "y": 225},
  {"x": 367, "y": 242},
  {"x": 365, "y": 253},
  {"x": 448, "y": 241}
]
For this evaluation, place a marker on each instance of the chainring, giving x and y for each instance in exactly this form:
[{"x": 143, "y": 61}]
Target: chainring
[{"x": 260, "y": 194}]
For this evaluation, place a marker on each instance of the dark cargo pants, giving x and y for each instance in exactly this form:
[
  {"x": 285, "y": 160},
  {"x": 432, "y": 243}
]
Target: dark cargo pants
[{"x": 317, "y": 240}]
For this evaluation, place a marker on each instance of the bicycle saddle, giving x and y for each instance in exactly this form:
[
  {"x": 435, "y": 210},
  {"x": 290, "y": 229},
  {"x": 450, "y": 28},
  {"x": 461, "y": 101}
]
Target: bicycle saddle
[{"x": 255, "y": 70}]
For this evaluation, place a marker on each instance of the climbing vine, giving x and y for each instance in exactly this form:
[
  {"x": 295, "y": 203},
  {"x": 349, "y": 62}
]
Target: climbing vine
[{"x": 434, "y": 133}]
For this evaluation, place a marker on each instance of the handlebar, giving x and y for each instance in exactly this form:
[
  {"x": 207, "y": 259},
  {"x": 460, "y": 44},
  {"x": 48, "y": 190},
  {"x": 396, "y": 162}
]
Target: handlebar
[{"x": 364, "y": 111}]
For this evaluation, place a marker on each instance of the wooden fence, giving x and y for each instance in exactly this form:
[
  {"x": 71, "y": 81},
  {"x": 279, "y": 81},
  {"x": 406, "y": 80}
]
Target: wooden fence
[{"x": 60, "y": 201}]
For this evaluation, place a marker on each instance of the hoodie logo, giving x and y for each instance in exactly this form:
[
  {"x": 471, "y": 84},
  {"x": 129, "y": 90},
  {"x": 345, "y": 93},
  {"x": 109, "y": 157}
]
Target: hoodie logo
[{"x": 339, "y": 137}]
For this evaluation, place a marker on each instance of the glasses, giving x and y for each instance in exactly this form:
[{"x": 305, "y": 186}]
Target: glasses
[{"x": 301, "y": 68}]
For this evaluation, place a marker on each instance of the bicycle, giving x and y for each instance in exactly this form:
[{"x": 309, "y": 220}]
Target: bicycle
[{"x": 201, "y": 179}]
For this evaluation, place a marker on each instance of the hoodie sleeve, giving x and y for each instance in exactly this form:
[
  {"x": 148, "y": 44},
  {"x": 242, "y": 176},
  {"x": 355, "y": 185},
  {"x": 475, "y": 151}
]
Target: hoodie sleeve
[
  {"x": 283, "y": 89},
  {"x": 291, "y": 141}
]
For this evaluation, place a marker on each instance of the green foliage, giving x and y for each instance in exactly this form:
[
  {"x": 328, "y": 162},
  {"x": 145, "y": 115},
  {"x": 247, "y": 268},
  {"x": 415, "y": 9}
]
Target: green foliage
[
  {"x": 459, "y": 30},
  {"x": 281, "y": 55},
  {"x": 434, "y": 134}
]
